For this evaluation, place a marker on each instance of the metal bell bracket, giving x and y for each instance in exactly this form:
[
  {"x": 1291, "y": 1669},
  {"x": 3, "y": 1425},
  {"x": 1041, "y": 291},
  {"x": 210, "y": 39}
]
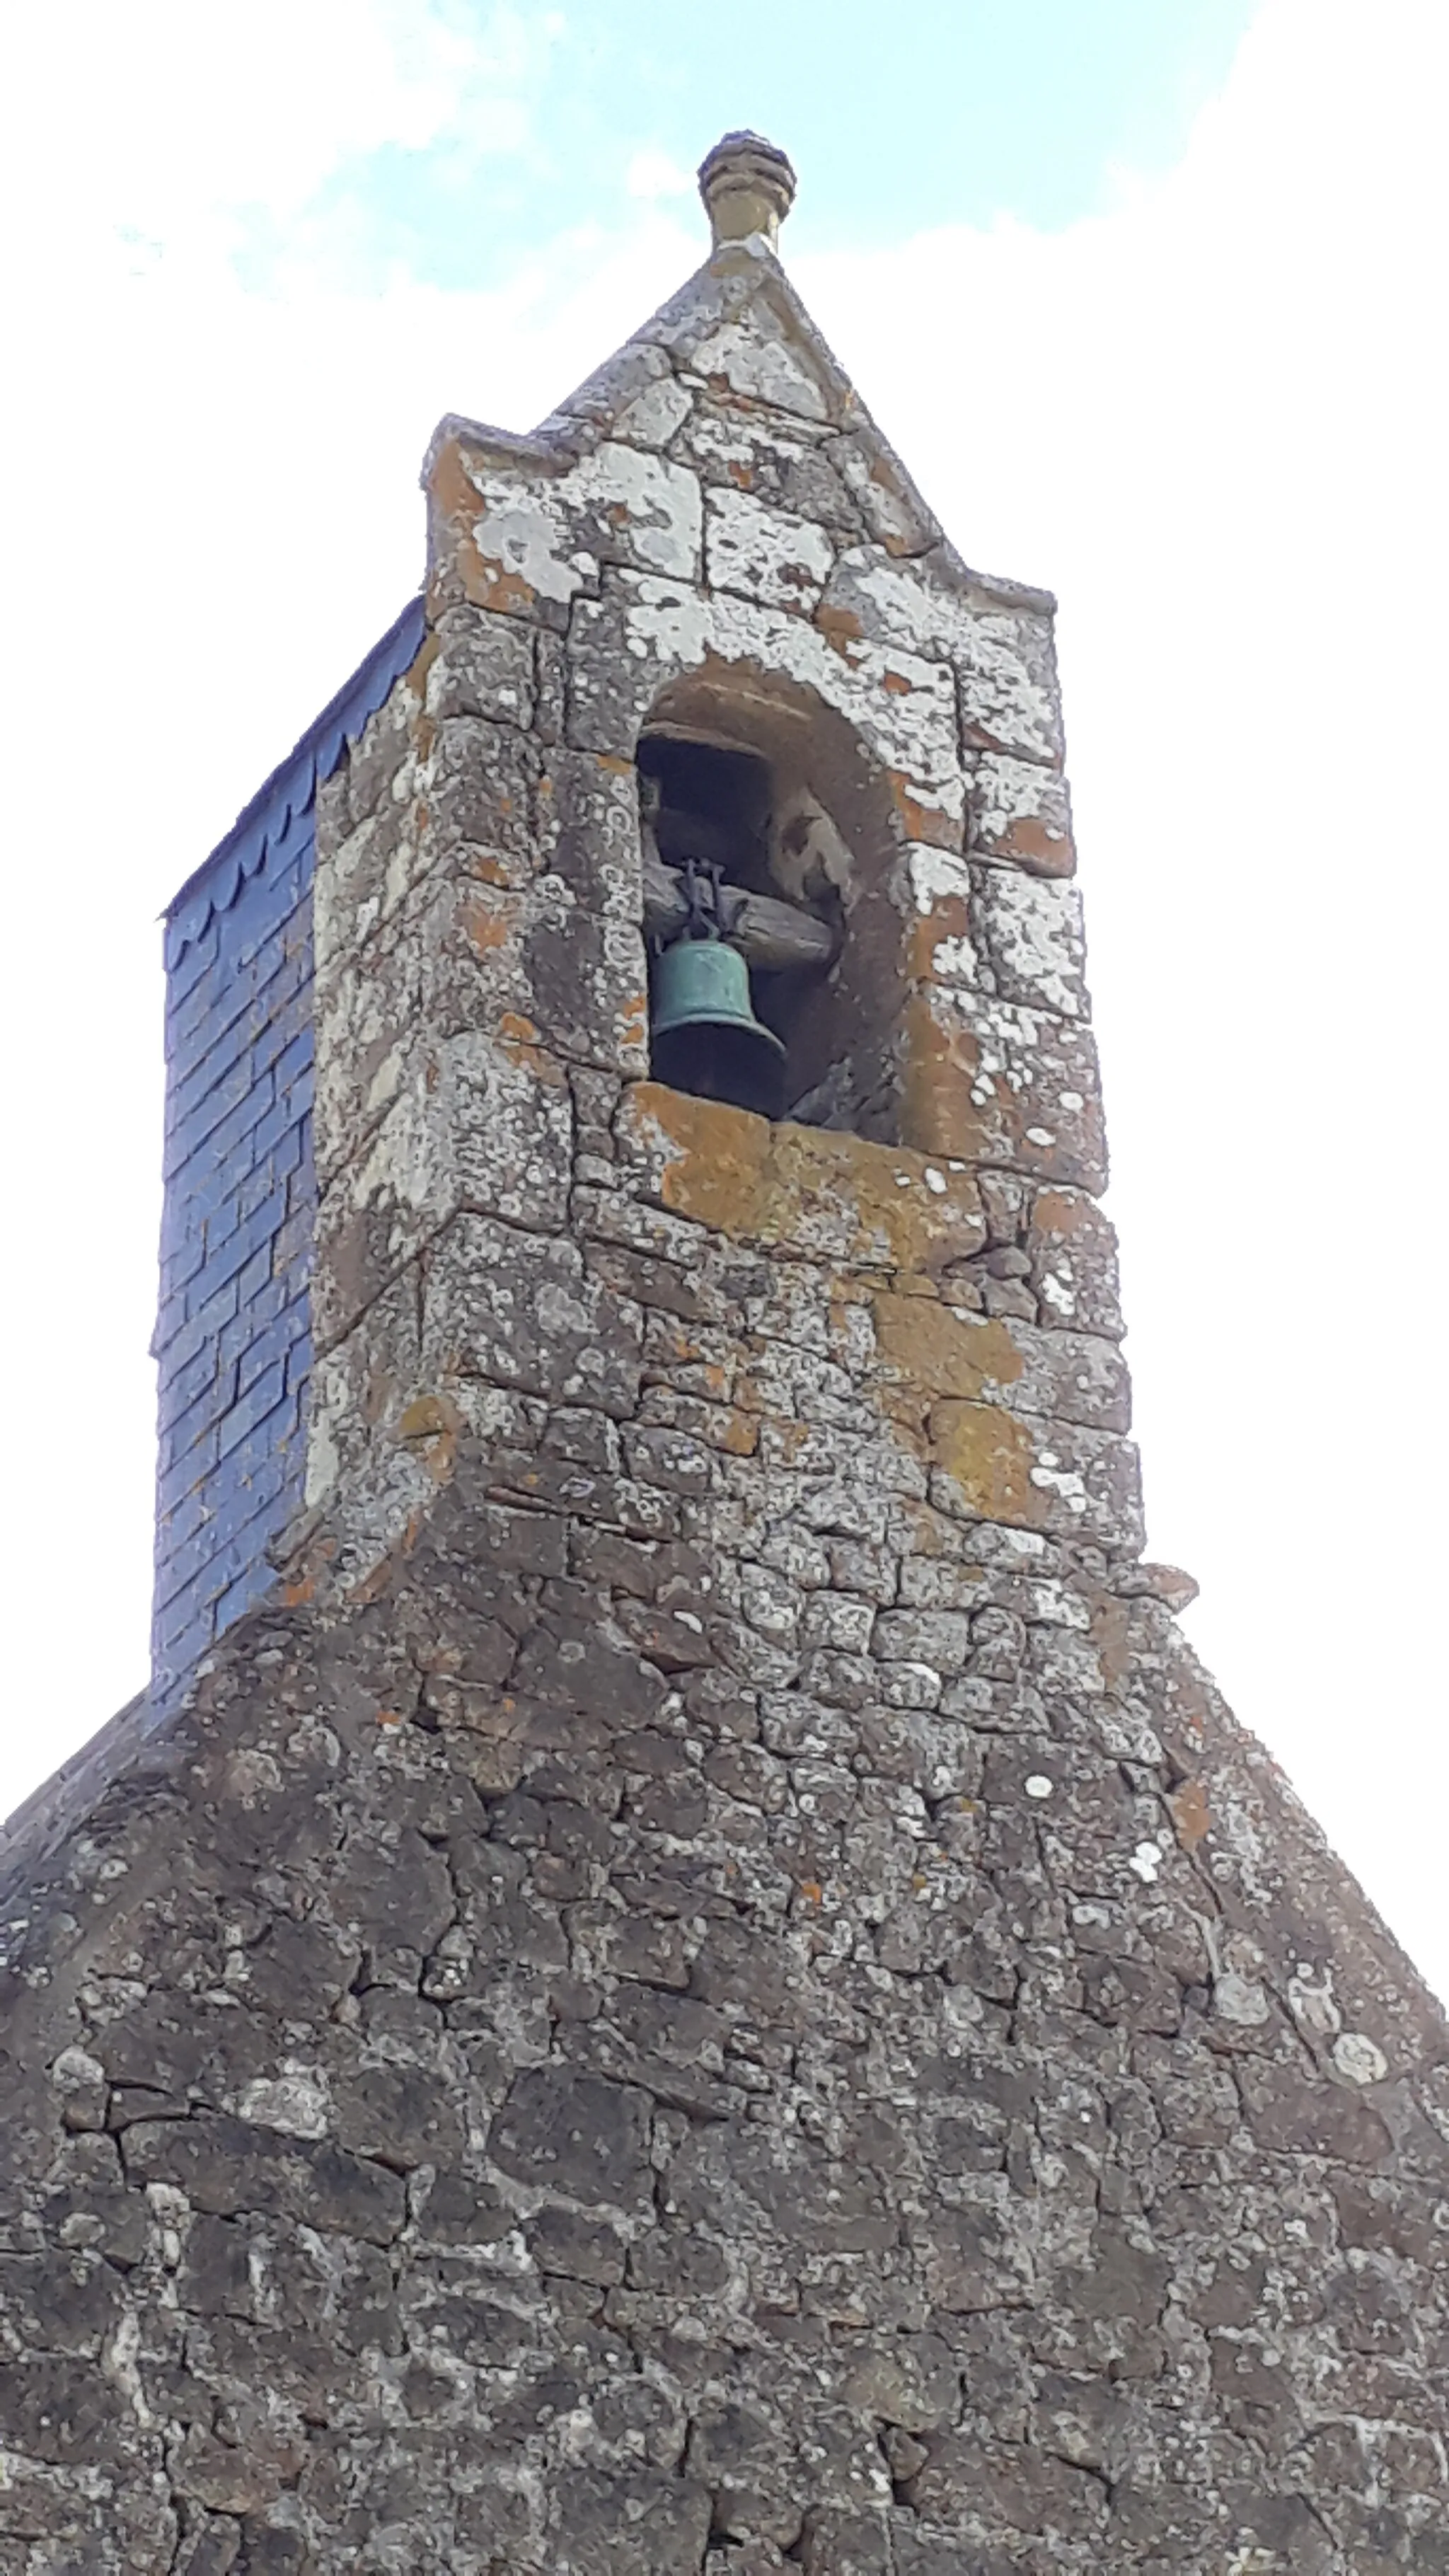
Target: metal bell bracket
[{"x": 709, "y": 912}]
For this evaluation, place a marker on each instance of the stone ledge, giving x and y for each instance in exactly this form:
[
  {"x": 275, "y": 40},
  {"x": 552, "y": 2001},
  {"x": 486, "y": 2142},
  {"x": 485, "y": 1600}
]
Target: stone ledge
[{"x": 810, "y": 1191}]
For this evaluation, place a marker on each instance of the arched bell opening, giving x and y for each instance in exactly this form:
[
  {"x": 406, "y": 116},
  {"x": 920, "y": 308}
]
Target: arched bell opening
[{"x": 772, "y": 859}]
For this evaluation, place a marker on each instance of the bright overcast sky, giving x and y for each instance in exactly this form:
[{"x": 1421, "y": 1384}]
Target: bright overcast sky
[{"x": 1149, "y": 293}]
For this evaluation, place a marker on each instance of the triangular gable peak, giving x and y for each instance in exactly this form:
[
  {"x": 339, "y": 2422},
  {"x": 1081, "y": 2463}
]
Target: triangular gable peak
[{"x": 730, "y": 378}]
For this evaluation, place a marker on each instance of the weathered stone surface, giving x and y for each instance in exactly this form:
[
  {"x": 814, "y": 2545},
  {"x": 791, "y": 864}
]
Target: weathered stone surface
[
  {"x": 1029, "y": 934},
  {"x": 796, "y": 1190},
  {"x": 646, "y": 631},
  {"x": 753, "y": 2125},
  {"x": 478, "y": 1122},
  {"x": 528, "y": 543},
  {"x": 1003, "y": 659},
  {"x": 1006, "y": 1084},
  {"x": 763, "y": 552},
  {"x": 709, "y": 1988},
  {"x": 773, "y": 460},
  {"x": 1020, "y": 812}
]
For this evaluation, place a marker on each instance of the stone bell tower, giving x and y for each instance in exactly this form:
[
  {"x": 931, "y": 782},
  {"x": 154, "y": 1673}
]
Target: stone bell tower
[{"x": 684, "y": 1976}]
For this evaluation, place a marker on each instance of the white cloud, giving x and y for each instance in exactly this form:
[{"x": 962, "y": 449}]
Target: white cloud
[
  {"x": 1212, "y": 419},
  {"x": 652, "y": 175},
  {"x": 165, "y": 120}
]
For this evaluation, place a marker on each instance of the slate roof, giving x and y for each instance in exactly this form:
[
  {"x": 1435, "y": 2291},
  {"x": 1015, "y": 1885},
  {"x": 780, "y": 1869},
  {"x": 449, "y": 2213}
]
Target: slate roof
[{"x": 289, "y": 792}]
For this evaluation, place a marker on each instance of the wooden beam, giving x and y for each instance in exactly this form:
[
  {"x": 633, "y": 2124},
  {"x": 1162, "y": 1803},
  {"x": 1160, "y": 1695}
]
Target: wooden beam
[{"x": 769, "y": 932}]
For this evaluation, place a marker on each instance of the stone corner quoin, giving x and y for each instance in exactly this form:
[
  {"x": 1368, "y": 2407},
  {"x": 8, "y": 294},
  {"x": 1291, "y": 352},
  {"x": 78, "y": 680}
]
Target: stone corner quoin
[{"x": 685, "y": 1974}]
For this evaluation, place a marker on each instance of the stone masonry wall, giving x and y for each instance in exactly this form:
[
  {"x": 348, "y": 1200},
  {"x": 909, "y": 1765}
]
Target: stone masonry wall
[
  {"x": 709, "y": 1989},
  {"x": 713, "y": 525},
  {"x": 672, "y": 2043}
]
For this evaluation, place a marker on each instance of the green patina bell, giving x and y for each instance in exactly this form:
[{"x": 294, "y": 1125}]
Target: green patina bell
[{"x": 704, "y": 1034}]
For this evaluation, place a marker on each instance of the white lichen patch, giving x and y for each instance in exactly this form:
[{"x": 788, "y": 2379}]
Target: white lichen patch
[
  {"x": 1240, "y": 2000},
  {"x": 522, "y": 535},
  {"x": 634, "y": 507},
  {"x": 769, "y": 556},
  {"x": 936, "y": 876},
  {"x": 1023, "y": 813},
  {"x": 746, "y": 359},
  {"x": 1359, "y": 2058},
  {"x": 618, "y": 504},
  {"x": 1032, "y": 928},
  {"x": 1003, "y": 659},
  {"x": 954, "y": 961},
  {"x": 667, "y": 624},
  {"x": 1311, "y": 2003},
  {"x": 296, "y": 2101}
]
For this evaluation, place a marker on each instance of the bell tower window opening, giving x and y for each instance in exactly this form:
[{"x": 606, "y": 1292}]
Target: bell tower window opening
[{"x": 772, "y": 859}]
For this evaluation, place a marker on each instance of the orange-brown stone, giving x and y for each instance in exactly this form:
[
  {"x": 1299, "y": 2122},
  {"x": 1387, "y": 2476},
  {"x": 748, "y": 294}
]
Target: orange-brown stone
[
  {"x": 830, "y": 1197},
  {"x": 989, "y": 1456},
  {"x": 931, "y": 1349}
]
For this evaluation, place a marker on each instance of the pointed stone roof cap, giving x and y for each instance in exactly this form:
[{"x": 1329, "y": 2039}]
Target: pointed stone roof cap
[{"x": 740, "y": 325}]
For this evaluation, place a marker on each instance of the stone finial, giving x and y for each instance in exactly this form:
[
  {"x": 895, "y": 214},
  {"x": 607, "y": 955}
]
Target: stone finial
[{"x": 748, "y": 187}]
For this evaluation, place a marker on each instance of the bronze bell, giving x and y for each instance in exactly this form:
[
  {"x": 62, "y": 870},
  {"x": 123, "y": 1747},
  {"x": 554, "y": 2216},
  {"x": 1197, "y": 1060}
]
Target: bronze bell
[{"x": 704, "y": 1035}]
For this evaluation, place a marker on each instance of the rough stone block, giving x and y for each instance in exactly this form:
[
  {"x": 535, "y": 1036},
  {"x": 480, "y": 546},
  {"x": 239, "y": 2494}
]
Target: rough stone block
[
  {"x": 482, "y": 792},
  {"x": 535, "y": 969},
  {"x": 764, "y": 553},
  {"x": 631, "y": 397},
  {"x": 1000, "y": 1466},
  {"x": 368, "y": 1010},
  {"x": 1022, "y": 813},
  {"x": 613, "y": 2526},
  {"x": 830, "y": 1198},
  {"x": 590, "y": 833},
  {"x": 527, "y": 538},
  {"x": 1072, "y": 1248},
  {"x": 999, "y": 1083},
  {"x": 521, "y": 1310},
  {"x": 895, "y": 515},
  {"x": 1029, "y": 929},
  {"x": 475, "y": 1123},
  {"x": 228, "y": 2165},
  {"x": 485, "y": 666},
  {"x": 928, "y": 1349},
  {"x": 751, "y": 349},
  {"x": 778, "y": 463},
  {"x": 1003, "y": 658},
  {"x": 375, "y": 770},
  {"x": 569, "y": 2133}
]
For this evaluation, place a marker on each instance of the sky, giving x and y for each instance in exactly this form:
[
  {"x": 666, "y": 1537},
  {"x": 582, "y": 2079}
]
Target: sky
[{"x": 1149, "y": 294}]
